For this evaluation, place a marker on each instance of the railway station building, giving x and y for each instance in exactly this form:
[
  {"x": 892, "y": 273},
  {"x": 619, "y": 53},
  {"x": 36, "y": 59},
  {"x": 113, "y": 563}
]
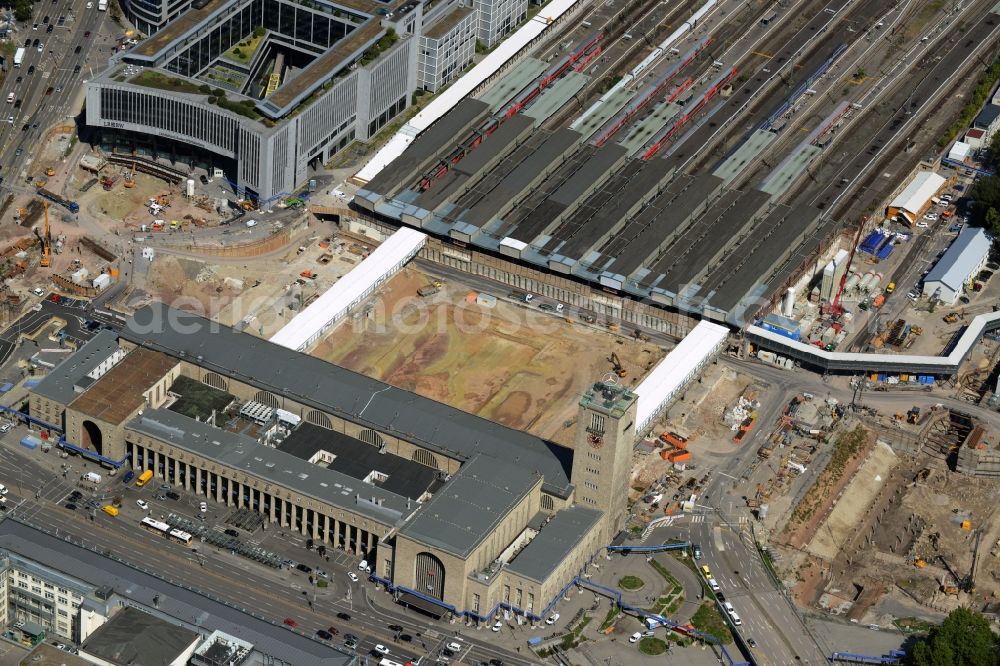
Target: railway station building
[{"x": 455, "y": 514}]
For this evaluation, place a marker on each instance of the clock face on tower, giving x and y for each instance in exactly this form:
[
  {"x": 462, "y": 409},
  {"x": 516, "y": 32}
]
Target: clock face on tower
[{"x": 595, "y": 440}]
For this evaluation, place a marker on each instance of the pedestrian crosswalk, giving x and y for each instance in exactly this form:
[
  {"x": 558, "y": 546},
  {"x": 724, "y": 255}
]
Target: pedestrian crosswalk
[{"x": 696, "y": 518}]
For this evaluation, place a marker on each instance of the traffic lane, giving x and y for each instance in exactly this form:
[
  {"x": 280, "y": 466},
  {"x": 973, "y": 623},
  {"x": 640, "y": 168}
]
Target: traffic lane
[{"x": 773, "y": 643}]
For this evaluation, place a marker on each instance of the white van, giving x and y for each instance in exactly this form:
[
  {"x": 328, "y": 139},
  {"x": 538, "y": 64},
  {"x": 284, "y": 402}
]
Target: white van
[
  {"x": 10, "y": 98},
  {"x": 732, "y": 613}
]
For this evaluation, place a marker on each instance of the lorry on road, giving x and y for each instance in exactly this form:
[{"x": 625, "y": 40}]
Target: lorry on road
[
  {"x": 144, "y": 478},
  {"x": 102, "y": 5},
  {"x": 18, "y": 57}
]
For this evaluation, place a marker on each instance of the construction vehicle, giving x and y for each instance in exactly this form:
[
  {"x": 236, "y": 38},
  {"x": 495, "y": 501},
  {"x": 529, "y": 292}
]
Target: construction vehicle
[
  {"x": 309, "y": 274},
  {"x": 46, "y": 238},
  {"x": 427, "y": 290},
  {"x": 616, "y": 365},
  {"x": 71, "y": 206},
  {"x": 50, "y": 171},
  {"x": 108, "y": 182},
  {"x": 130, "y": 179},
  {"x": 950, "y": 318},
  {"x": 294, "y": 203},
  {"x": 913, "y": 415},
  {"x": 836, "y": 307},
  {"x": 920, "y": 563}
]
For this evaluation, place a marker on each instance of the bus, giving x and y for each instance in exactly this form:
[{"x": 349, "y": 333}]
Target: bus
[
  {"x": 144, "y": 478},
  {"x": 180, "y": 536},
  {"x": 154, "y": 526}
]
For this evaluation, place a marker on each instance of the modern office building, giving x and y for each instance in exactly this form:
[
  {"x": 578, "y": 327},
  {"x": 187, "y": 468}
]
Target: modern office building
[
  {"x": 149, "y": 16},
  {"x": 448, "y": 45},
  {"x": 264, "y": 89},
  {"x": 497, "y": 18},
  {"x": 454, "y": 513}
]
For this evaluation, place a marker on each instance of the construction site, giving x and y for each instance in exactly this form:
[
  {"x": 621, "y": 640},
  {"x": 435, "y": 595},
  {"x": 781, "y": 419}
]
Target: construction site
[
  {"x": 896, "y": 516},
  {"x": 483, "y": 353}
]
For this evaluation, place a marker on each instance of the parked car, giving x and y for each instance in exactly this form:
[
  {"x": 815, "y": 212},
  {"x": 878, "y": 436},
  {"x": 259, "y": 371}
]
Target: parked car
[
  {"x": 324, "y": 634},
  {"x": 203, "y": 506},
  {"x": 497, "y": 626},
  {"x": 353, "y": 576},
  {"x": 304, "y": 568},
  {"x": 454, "y": 647},
  {"x": 634, "y": 638},
  {"x": 290, "y": 622},
  {"x": 142, "y": 504},
  {"x": 552, "y": 619}
]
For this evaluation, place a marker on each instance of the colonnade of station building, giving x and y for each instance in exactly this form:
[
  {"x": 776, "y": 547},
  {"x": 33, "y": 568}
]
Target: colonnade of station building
[{"x": 179, "y": 468}]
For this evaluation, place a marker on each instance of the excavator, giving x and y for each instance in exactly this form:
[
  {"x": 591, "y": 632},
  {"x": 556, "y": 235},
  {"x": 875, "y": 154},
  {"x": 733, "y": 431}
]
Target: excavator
[
  {"x": 616, "y": 365},
  {"x": 46, "y": 238},
  {"x": 50, "y": 171},
  {"x": 130, "y": 179}
]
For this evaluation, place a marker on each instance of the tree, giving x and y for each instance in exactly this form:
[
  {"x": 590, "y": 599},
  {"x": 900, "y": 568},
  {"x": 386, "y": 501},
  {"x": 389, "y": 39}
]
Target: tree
[
  {"x": 23, "y": 10},
  {"x": 963, "y": 639},
  {"x": 986, "y": 194}
]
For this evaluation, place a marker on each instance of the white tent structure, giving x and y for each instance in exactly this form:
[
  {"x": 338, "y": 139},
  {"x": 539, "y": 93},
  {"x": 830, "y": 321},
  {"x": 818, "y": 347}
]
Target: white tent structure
[
  {"x": 308, "y": 326},
  {"x": 678, "y": 369}
]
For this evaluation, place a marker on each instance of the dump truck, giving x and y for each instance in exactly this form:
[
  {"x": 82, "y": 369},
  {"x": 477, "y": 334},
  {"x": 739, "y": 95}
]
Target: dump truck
[{"x": 427, "y": 290}]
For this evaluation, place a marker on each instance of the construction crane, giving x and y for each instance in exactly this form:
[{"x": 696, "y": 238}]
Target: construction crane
[
  {"x": 616, "y": 365},
  {"x": 835, "y": 306},
  {"x": 46, "y": 238}
]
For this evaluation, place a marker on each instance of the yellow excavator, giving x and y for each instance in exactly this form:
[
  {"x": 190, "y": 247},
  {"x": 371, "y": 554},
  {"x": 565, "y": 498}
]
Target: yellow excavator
[
  {"x": 130, "y": 179},
  {"x": 616, "y": 365}
]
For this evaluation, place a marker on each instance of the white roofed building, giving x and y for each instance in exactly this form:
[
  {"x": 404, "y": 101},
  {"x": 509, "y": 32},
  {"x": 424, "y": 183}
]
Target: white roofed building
[
  {"x": 916, "y": 196},
  {"x": 959, "y": 265}
]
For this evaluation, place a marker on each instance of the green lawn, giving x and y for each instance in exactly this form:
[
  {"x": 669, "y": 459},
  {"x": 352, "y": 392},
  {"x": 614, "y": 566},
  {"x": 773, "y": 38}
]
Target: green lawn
[
  {"x": 709, "y": 620},
  {"x": 243, "y": 51},
  {"x": 630, "y": 583},
  {"x": 153, "y": 79},
  {"x": 652, "y": 646}
]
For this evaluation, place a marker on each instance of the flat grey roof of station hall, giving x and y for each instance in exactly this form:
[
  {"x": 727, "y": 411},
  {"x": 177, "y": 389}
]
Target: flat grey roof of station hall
[
  {"x": 345, "y": 393},
  {"x": 470, "y": 506},
  {"x": 59, "y": 384},
  {"x": 272, "y": 465},
  {"x": 186, "y": 605},
  {"x": 435, "y": 141},
  {"x": 554, "y": 542},
  {"x": 137, "y": 638}
]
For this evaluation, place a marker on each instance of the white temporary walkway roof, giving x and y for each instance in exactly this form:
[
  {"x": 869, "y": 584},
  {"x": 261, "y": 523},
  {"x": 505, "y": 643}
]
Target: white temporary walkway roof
[
  {"x": 672, "y": 375},
  {"x": 464, "y": 86},
  {"x": 920, "y": 190},
  {"x": 865, "y": 362},
  {"x": 309, "y": 325}
]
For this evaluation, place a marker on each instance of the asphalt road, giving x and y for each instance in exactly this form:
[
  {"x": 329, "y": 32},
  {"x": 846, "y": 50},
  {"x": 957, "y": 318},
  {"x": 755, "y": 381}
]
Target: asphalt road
[{"x": 53, "y": 68}]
